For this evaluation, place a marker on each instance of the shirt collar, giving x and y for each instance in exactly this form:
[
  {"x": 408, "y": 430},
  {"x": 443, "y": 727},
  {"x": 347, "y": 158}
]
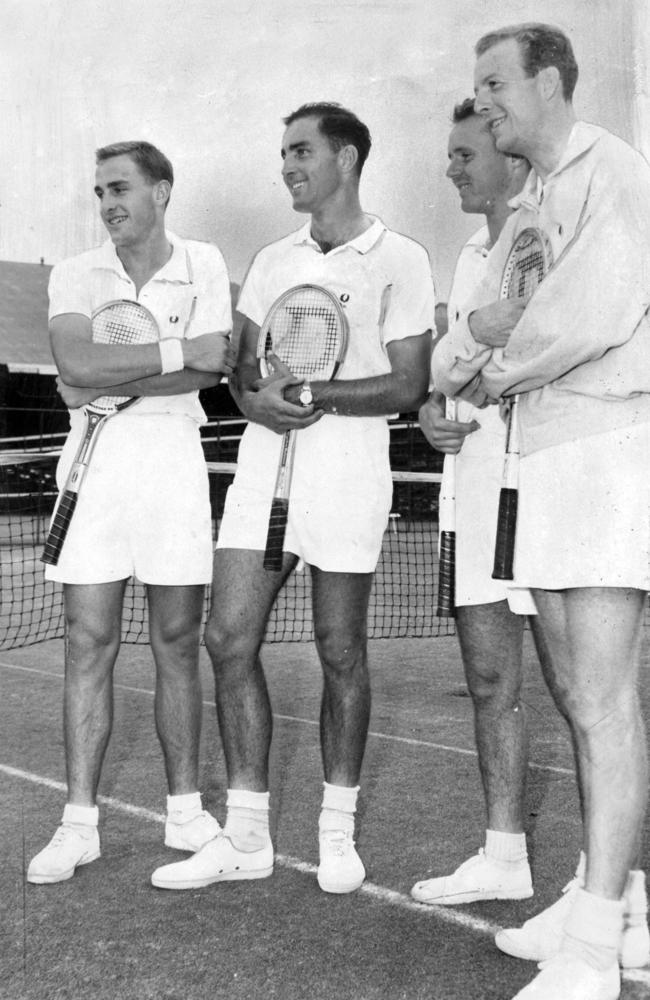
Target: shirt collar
[
  {"x": 362, "y": 243},
  {"x": 178, "y": 268},
  {"x": 582, "y": 137}
]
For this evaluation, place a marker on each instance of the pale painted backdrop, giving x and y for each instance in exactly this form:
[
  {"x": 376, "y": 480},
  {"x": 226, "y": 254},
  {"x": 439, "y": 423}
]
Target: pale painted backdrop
[{"x": 209, "y": 81}]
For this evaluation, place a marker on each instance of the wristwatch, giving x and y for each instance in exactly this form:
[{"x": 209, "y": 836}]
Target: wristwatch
[{"x": 305, "y": 396}]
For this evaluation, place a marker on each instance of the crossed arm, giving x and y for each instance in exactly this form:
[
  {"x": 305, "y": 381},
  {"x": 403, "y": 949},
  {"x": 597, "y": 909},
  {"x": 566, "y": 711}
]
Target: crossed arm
[{"x": 88, "y": 370}]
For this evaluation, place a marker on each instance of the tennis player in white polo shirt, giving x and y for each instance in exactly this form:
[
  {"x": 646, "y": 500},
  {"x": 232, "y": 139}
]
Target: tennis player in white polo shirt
[
  {"x": 340, "y": 496},
  {"x": 144, "y": 506}
]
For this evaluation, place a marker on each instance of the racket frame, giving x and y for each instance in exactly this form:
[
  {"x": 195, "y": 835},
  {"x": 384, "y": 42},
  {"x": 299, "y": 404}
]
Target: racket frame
[
  {"x": 446, "y": 605},
  {"x": 504, "y": 547},
  {"x": 96, "y": 414},
  {"x": 279, "y": 514}
]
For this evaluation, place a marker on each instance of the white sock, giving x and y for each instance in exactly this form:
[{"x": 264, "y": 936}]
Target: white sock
[
  {"x": 593, "y": 929},
  {"x": 247, "y": 819},
  {"x": 636, "y": 900},
  {"x": 184, "y": 807},
  {"x": 338, "y": 807},
  {"x": 506, "y": 847},
  {"x": 80, "y": 815}
]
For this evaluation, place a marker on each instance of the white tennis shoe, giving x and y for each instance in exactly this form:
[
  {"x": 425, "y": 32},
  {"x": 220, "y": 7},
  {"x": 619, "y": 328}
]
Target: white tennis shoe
[
  {"x": 478, "y": 878},
  {"x": 217, "y": 861},
  {"x": 191, "y": 834},
  {"x": 72, "y": 845},
  {"x": 568, "y": 977},
  {"x": 340, "y": 869},
  {"x": 539, "y": 938}
]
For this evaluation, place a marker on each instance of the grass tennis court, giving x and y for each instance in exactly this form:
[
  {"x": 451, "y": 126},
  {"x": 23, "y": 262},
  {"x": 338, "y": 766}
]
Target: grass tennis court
[{"x": 107, "y": 934}]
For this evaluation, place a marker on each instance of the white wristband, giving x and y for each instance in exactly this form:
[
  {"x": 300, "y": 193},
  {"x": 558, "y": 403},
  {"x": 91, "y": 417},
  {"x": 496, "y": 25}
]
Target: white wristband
[{"x": 171, "y": 355}]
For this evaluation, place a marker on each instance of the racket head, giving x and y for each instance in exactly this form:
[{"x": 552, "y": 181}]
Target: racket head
[
  {"x": 121, "y": 321},
  {"x": 528, "y": 262},
  {"x": 307, "y": 329}
]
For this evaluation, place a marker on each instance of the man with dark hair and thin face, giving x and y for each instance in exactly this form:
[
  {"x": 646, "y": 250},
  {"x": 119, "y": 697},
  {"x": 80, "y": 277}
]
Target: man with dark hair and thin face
[
  {"x": 340, "y": 495},
  {"x": 577, "y": 353},
  {"x": 144, "y": 509}
]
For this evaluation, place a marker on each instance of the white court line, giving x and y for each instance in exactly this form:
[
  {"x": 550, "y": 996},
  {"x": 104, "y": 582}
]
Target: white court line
[
  {"x": 380, "y": 894},
  {"x": 377, "y": 892},
  {"x": 405, "y": 740}
]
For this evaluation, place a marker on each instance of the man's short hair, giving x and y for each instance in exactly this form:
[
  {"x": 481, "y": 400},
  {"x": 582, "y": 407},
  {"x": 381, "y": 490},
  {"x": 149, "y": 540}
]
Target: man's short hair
[
  {"x": 466, "y": 109},
  {"x": 541, "y": 45},
  {"x": 340, "y": 126},
  {"x": 152, "y": 163}
]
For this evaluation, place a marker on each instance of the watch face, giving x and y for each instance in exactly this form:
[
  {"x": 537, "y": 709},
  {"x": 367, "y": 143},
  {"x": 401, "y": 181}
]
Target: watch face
[{"x": 305, "y": 395}]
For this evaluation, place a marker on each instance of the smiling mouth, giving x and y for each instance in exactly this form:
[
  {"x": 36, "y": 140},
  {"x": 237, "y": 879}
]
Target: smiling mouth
[
  {"x": 116, "y": 220},
  {"x": 496, "y": 122},
  {"x": 296, "y": 187}
]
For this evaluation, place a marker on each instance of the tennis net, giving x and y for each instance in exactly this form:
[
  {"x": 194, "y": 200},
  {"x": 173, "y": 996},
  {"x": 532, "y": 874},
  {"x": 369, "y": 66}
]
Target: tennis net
[{"x": 404, "y": 594}]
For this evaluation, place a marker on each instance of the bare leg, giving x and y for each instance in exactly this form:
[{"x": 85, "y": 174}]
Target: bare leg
[
  {"x": 93, "y": 622},
  {"x": 491, "y": 637},
  {"x": 593, "y": 638},
  {"x": 243, "y": 593},
  {"x": 340, "y": 603},
  {"x": 174, "y": 626}
]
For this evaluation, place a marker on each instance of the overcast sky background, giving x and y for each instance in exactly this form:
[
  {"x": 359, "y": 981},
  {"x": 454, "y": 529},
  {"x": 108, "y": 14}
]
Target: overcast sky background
[{"x": 209, "y": 81}]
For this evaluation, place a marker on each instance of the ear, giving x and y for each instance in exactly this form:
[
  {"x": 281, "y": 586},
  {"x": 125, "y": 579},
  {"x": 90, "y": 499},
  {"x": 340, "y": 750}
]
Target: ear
[
  {"x": 348, "y": 157},
  {"x": 161, "y": 192},
  {"x": 550, "y": 82}
]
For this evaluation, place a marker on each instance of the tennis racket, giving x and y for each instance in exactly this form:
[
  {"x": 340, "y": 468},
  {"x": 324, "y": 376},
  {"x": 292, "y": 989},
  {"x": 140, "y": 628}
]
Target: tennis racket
[
  {"x": 446, "y": 607},
  {"x": 528, "y": 262},
  {"x": 117, "y": 322},
  {"x": 307, "y": 330}
]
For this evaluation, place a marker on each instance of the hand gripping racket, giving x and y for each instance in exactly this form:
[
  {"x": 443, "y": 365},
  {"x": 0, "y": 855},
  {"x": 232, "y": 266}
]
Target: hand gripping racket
[
  {"x": 528, "y": 262},
  {"x": 446, "y": 607},
  {"x": 118, "y": 322},
  {"x": 308, "y": 331}
]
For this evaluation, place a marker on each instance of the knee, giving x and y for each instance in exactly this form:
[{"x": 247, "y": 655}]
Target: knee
[
  {"x": 603, "y": 715},
  {"x": 90, "y": 636},
  {"x": 341, "y": 655},
  {"x": 228, "y": 644},
  {"x": 496, "y": 688}
]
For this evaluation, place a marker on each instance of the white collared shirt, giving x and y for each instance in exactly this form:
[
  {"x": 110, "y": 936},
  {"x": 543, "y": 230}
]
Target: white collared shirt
[
  {"x": 381, "y": 278},
  {"x": 83, "y": 283}
]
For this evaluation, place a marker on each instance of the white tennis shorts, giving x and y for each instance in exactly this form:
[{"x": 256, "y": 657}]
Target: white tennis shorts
[
  {"x": 144, "y": 507},
  {"x": 479, "y": 469},
  {"x": 584, "y": 513},
  {"x": 340, "y": 496}
]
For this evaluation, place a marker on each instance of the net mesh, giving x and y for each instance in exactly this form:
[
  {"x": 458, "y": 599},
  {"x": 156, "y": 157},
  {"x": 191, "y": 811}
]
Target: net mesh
[{"x": 405, "y": 590}]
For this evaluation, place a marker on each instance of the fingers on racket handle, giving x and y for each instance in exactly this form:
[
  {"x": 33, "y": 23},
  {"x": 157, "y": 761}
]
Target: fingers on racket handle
[
  {"x": 276, "y": 533},
  {"x": 447, "y": 576},
  {"x": 59, "y": 529},
  {"x": 504, "y": 550}
]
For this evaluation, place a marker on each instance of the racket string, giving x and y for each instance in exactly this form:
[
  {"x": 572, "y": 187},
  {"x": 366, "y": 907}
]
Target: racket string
[
  {"x": 122, "y": 323},
  {"x": 305, "y": 334}
]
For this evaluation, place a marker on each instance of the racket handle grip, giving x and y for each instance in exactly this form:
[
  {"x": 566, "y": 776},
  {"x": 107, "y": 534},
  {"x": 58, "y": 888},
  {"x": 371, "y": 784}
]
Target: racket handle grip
[
  {"x": 504, "y": 550},
  {"x": 59, "y": 528},
  {"x": 446, "y": 607},
  {"x": 275, "y": 537}
]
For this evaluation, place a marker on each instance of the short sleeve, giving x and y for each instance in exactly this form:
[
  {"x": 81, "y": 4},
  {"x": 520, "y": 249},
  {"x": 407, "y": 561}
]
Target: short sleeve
[
  {"x": 67, "y": 291},
  {"x": 409, "y": 307}
]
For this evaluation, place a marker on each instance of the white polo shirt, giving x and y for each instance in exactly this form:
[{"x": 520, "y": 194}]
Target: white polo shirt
[
  {"x": 341, "y": 489},
  {"x": 383, "y": 281},
  {"x": 83, "y": 283}
]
